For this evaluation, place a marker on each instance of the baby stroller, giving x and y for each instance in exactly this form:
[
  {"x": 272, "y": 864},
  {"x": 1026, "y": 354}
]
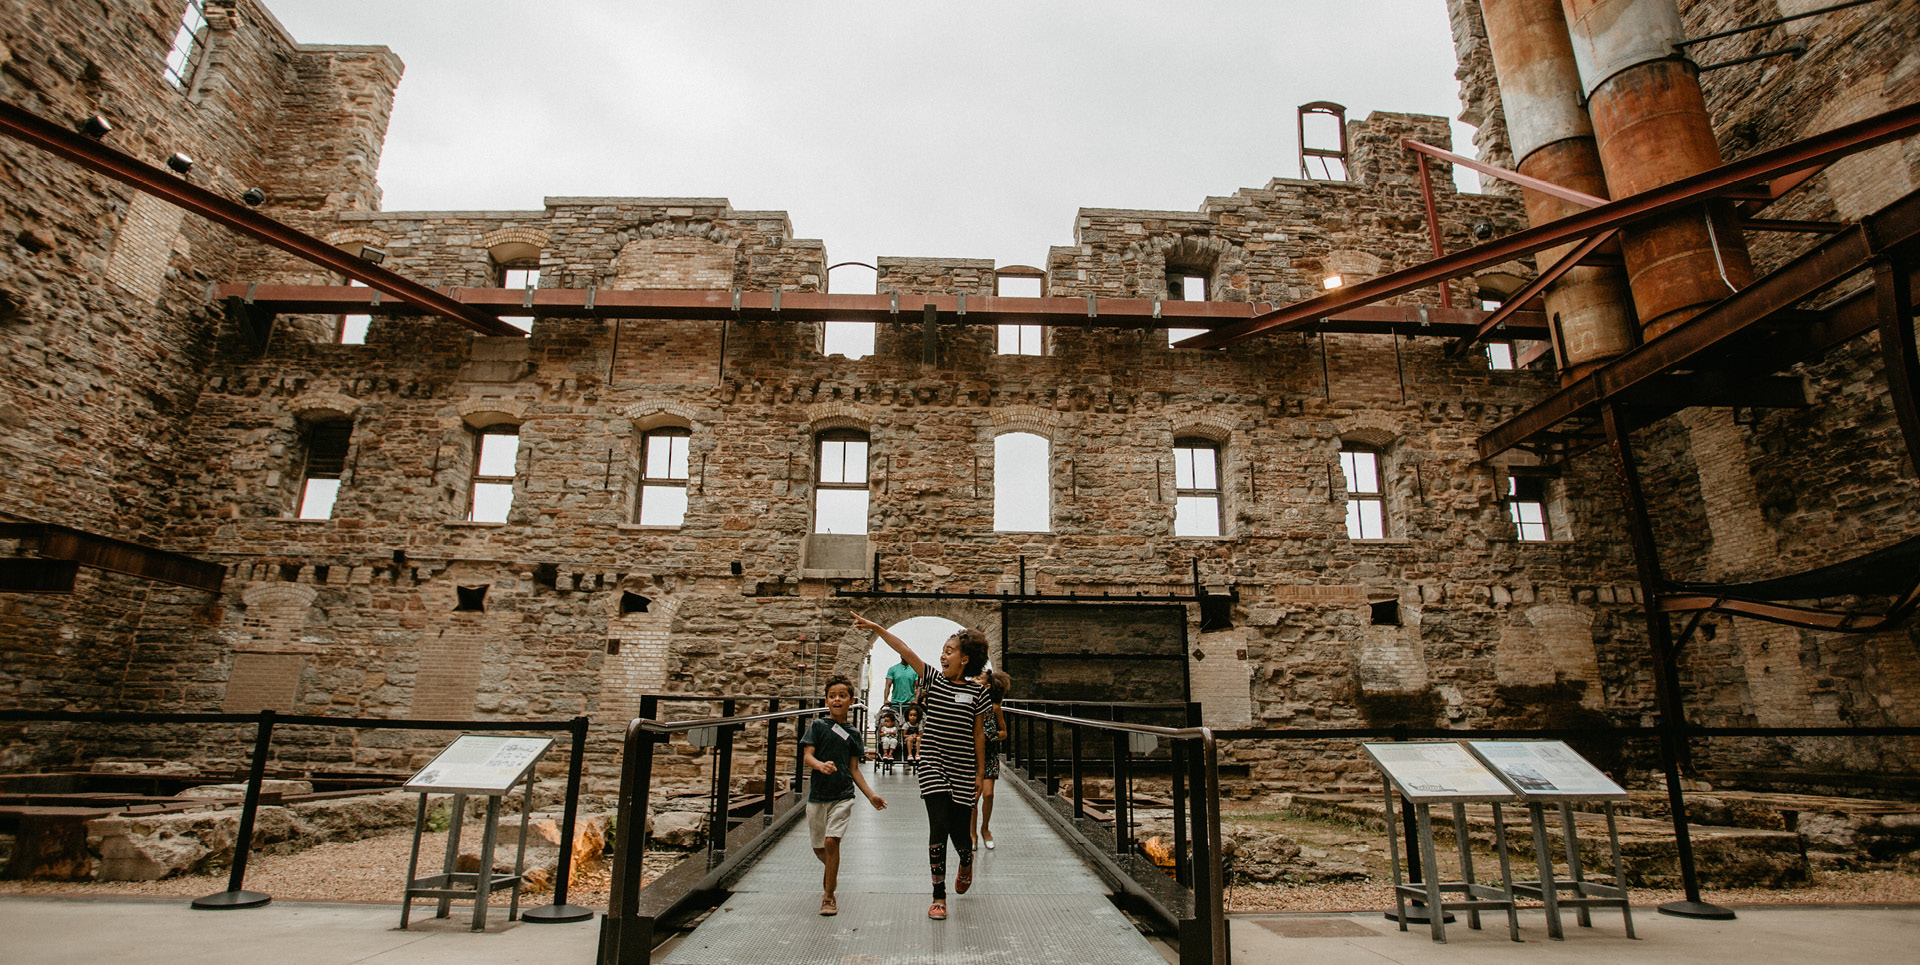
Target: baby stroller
[{"x": 889, "y": 744}]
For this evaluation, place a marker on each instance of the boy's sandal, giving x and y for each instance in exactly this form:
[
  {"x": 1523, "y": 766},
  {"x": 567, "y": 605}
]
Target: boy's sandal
[
  {"x": 938, "y": 910},
  {"x": 829, "y": 907},
  {"x": 963, "y": 880}
]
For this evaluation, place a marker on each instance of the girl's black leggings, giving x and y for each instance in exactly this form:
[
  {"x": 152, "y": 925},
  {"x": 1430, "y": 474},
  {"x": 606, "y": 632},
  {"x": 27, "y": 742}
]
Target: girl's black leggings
[{"x": 947, "y": 818}]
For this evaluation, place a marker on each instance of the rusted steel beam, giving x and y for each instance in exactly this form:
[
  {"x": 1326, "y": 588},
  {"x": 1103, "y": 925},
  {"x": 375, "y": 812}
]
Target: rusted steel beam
[
  {"x": 1892, "y": 277},
  {"x": 1525, "y": 181},
  {"x": 88, "y": 153},
  {"x": 106, "y": 553},
  {"x": 1433, "y": 226},
  {"x": 1818, "y": 149},
  {"x": 816, "y": 307},
  {"x": 1831, "y": 260},
  {"x": 1786, "y": 224},
  {"x": 1539, "y": 284},
  {"x": 27, "y": 574}
]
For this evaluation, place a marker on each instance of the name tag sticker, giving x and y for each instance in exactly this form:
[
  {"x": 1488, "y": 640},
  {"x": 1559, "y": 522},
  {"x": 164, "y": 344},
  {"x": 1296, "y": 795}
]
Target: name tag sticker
[
  {"x": 963, "y": 698},
  {"x": 837, "y": 732}
]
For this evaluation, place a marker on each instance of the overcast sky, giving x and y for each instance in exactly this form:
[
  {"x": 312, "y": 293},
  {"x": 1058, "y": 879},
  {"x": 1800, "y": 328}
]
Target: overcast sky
[{"x": 926, "y": 129}]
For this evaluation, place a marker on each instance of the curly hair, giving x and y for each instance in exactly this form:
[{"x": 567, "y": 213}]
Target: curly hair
[
  {"x": 973, "y": 646},
  {"x": 838, "y": 681}
]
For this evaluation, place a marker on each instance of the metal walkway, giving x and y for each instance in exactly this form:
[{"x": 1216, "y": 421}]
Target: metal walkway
[{"x": 1033, "y": 900}]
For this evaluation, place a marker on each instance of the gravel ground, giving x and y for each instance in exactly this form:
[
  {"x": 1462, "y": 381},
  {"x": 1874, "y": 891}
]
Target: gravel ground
[
  {"x": 371, "y": 869},
  {"x": 1827, "y": 888}
]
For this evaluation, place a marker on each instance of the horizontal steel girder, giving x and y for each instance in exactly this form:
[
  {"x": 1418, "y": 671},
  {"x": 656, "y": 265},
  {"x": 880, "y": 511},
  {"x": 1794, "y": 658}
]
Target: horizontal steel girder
[
  {"x": 106, "y": 553},
  {"x": 88, "y": 153},
  {"x": 818, "y": 307},
  {"x": 1719, "y": 182},
  {"x": 1839, "y": 256}
]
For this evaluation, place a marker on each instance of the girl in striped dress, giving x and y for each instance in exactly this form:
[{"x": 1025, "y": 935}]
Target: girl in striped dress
[{"x": 953, "y": 759}]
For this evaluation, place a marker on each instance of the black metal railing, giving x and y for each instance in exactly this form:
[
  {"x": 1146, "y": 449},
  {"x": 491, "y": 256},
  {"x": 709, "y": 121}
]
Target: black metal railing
[
  {"x": 627, "y": 932},
  {"x": 236, "y": 896},
  {"x": 1196, "y": 909}
]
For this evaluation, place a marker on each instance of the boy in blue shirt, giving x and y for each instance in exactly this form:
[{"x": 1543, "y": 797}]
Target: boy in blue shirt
[{"x": 831, "y": 745}]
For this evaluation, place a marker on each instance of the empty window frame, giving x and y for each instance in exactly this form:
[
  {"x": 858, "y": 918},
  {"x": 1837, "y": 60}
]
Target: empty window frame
[
  {"x": 1499, "y": 355},
  {"x": 1526, "y": 500},
  {"x": 1185, "y": 285},
  {"x": 187, "y": 41},
  {"x": 1196, "y": 488},
  {"x": 326, "y": 462},
  {"x": 1018, "y": 339},
  {"x": 521, "y": 277},
  {"x": 353, "y": 328},
  {"x": 1366, "y": 495},
  {"x": 840, "y": 493},
  {"x": 662, "y": 500},
  {"x": 496, "y": 453},
  {"x": 1022, "y": 484}
]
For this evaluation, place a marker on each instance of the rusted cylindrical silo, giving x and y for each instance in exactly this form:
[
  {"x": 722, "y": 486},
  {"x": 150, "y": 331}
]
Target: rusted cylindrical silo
[
  {"x": 1650, "y": 121},
  {"x": 1553, "y": 141}
]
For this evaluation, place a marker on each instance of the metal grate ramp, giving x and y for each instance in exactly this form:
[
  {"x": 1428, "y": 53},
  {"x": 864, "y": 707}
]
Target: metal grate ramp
[{"x": 1032, "y": 900}]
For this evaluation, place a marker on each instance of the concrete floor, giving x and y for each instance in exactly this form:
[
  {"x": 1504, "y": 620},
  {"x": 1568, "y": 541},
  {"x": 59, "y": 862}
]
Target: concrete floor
[{"x": 43, "y": 931}]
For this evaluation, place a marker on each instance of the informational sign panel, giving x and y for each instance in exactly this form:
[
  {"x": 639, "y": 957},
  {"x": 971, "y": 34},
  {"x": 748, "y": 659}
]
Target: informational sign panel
[
  {"x": 1546, "y": 769},
  {"x": 480, "y": 765},
  {"x": 1437, "y": 772}
]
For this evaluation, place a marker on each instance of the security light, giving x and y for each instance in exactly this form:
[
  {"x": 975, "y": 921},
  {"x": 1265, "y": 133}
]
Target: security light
[
  {"x": 1482, "y": 230},
  {"x": 371, "y": 254},
  {"x": 96, "y": 127},
  {"x": 254, "y": 197},
  {"x": 180, "y": 162},
  {"x": 1331, "y": 282}
]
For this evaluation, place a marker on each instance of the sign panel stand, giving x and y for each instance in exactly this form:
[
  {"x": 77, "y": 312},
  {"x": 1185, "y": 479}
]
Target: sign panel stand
[
  {"x": 1550, "y": 774},
  {"x": 1434, "y": 773},
  {"x": 472, "y": 764}
]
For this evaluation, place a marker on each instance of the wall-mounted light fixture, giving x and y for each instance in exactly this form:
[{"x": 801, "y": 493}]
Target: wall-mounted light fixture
[
  {"x": 1331, "y": 282},
  {"x": 254, "y": 197},
  {"x": 371, "y": 254},
  {"x": 180, "y": 163},
  {"x": 96, "y": 127}
]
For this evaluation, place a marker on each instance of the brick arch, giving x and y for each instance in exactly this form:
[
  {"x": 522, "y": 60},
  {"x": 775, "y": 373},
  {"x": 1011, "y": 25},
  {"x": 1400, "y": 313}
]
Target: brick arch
[
  {"x": 1027, "y": 418},
  {"x": 1204, "y": 425},
  {"x": 822, "y": 416},
  {"x": 647, "y": 416},
  {"x": 279, "y": 596},
  {"x": 350, "y": 239},
  {"x": 514, "y": 245},
  {"x": 324, "y": 406},
  {"x": 479, "y": 413},
  {"x": 1373, "y": 429}
]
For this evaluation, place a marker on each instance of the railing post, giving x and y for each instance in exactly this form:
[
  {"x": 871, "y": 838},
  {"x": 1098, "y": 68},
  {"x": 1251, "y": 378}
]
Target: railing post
[
  {"x": 1122, "y": 752},
  {"x": 1053, "y": 780},
  {"x": 625, "y": 937},
  {"x": 1079, "y": 795},
  {"x": 560, "y": 911},
  {"x": 234, "y": 896},
  {"x": 799, "y": 761},
  {"x": 718, "y": 824},
  {"x": 772, "y": 775}
]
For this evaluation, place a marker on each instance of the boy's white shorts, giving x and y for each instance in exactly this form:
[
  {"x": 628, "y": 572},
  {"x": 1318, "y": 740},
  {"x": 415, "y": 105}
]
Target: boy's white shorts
[{"x": 828, "y": 819}]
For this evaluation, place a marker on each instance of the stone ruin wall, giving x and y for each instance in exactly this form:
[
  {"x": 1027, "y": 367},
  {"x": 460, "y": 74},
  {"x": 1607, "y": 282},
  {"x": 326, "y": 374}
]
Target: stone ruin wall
[
  {"x": 1781, "y": 491},
  {"x": 354, "y": 616}
]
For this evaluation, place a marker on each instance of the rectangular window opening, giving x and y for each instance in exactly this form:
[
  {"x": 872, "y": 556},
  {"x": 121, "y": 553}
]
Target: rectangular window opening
[
  {"x": 493, "y": 475},
  {"x": 1527, "y": 508},
  {"x": 851, "y": 339},
  {"x": 1366, "y": 505},
  {"x": 326, "y": 463},
  {"x": 841, "y": 493},
  {"x": 1196, "y": 488},
  {"x": 663, "y": 478},
  {"x": 1185, "y": 286},
  {"x": 187, "y": 41}
]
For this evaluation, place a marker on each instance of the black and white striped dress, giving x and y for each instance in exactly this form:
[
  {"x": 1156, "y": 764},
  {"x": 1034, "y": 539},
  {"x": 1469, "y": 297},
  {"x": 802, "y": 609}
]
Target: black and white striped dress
[{"x": 946, "y": 735}]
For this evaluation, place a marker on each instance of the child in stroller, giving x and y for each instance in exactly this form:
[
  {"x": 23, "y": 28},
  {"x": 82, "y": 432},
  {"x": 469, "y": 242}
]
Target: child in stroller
[{"x": 889, "y": 742}]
